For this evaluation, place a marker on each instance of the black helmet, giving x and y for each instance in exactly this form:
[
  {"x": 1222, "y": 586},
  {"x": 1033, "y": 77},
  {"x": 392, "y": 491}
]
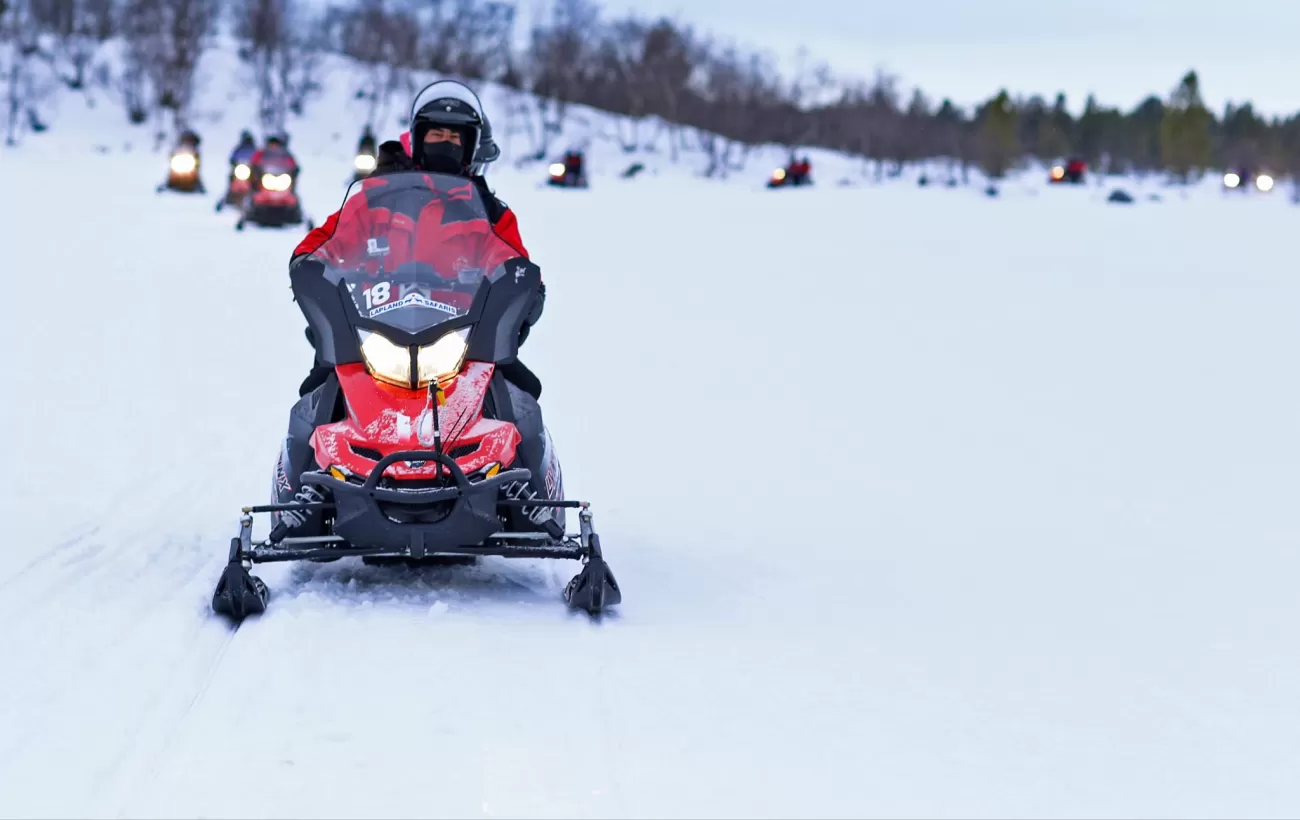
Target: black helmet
[
  {"x": 450, "y": 104},
  {"x": 246, "y": 137}
]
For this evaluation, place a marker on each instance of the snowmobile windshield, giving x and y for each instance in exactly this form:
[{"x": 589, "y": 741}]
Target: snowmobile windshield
[
  {"x": 414, "y": 249},
  {"x": 277, "y": 163}
]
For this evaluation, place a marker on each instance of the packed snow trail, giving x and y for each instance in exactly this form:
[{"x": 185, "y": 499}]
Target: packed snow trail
[{"x": 919, "y": 507}]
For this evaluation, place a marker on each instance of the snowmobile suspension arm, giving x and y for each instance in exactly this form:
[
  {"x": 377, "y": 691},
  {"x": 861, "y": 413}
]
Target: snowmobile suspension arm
[
  {"x": 293, "y": 505},
  {"x": 291, "y": 549}
]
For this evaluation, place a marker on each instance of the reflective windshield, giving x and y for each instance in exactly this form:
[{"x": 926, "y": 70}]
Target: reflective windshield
[{"x": 413, "y": 248}]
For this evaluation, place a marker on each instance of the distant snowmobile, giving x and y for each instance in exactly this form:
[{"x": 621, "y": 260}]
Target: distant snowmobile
[
  {"x": 796, "y": 173},
  {"x": 367, "y": 158},
  {"x": 363, "y": 165},
  {"x": 417, "y": 446},
  {"x": 1071, "y": 172},
  {"x": 569, "y": 172},
  {"x": 183, "y": 167},
  {"x": 1244, "y": 179},
  {"x": 240, "y": 181},
  {"x": 237, "y": 187},
  {"x": 273, "y": 200}
]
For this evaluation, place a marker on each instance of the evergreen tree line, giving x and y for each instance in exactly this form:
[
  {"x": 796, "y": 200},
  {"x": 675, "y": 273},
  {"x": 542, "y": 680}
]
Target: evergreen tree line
[{"x": 675, "y": 87}]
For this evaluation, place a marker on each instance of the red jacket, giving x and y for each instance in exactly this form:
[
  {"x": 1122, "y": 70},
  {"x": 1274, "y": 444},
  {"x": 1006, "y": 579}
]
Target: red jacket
[
  {"x": 441, "y": 236},
  {"x": 504, "y": 223}
]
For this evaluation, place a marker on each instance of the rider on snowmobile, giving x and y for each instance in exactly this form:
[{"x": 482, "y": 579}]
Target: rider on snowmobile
[
  {"x": 277, "y": 151},
  {"x": 453, "y": 137},
  {"x": 366, "y": 145},
  {"x": 244, "y": 151},
  {"x": 449, "y": 134},
  {"x": 184, "y": 165}
]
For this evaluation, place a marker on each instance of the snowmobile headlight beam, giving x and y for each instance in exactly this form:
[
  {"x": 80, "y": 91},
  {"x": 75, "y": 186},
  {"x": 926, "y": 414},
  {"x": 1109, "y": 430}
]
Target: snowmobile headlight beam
[
  {"x": 442, "y": 360},
  {"x": 557, "y": 170},
  {"x": 364, "y": 163},
  {"x": 1264, "y": 182},
  {"x": 183, "y": 163},
  {"x": 276, "y": 182},
  {"x": 1231, "y": 180},
  {"x": 386, "y": 361},
  {"x": 242, "y": 172}
]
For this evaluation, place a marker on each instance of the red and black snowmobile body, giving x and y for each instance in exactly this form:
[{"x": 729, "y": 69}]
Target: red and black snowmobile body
[
  {"x": 273, "y": 200},
  {"x": 418, "y": 446},
  {"x": 1071, "y": 172}
]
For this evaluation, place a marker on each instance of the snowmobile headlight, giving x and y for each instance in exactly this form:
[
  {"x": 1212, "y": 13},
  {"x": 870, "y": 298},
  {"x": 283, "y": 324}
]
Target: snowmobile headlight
[
  {"x": 242, "y": 172},
  {"x": 386, "y": 361},
  {"x": 1058, "y": 172},
  {"x": 441, "y": 361},
  {"x": 183, "y": 163},
  {"x": 364, "y": 162},
  {"x": 778, "y": 174},
  {"x": 276, "y": 182},
  {"x": 1264, "y": 182},
  {"x": 1231, "y": 180},
  {"x": 557, "y": 169}
]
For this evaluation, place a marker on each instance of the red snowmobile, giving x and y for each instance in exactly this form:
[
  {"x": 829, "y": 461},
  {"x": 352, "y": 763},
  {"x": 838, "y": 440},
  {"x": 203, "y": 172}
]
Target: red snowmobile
[
  {"x": 796, "y": 173},
  {"x": 273, "y": 200},
  {"x": 1071, "y": 172},
  {"x": 418, "y": 447},
  {"x": 568, "y": 172}
]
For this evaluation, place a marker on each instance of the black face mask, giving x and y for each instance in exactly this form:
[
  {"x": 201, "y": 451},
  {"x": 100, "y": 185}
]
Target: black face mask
[{"x": 442, "y": 158}]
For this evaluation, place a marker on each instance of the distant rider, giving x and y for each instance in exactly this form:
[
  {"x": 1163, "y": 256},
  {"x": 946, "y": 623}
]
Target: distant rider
[
  {"x": 244, "y": 151},
  {"x": 276, "y": 153},
  {"x": 366, "y": 145}
]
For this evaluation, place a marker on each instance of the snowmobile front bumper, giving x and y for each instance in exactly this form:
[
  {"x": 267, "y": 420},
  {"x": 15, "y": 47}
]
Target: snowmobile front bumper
[
  {"x": 458, "y": 519},
  {"x": 274, "y": 216},
  {"x": 184, "y": 184}
]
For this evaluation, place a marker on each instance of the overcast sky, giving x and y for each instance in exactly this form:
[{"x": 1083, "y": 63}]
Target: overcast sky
[{"x": 967, "y": 49}]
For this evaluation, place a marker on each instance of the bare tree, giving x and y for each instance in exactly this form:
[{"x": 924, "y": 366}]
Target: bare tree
[
  {"x": 641, "y": 70},
  {"x": 20, "y": 68},
  {"x": 386, "y": 41},
  {"x": 735, "y": 95},
  {"x": 470, "y": 38},
  {"x": 164, "y": 41},
  {"x": 558, "y": 66},
  {"x": 78, "y": 29},
  {"x": 283, "y": 52}
]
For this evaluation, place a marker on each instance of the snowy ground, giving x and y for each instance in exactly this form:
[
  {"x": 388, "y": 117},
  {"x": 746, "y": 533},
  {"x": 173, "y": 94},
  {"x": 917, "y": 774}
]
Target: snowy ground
[{"x": 923, "y": 505}]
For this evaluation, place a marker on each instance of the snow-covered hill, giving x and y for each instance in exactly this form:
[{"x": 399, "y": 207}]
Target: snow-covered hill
[
  {"x": 924, "y": 504},
  {"x": 325, "y": 135}
]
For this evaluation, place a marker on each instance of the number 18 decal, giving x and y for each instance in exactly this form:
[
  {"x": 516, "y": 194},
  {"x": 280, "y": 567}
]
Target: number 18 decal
[{"x": 378, "y": 294}]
